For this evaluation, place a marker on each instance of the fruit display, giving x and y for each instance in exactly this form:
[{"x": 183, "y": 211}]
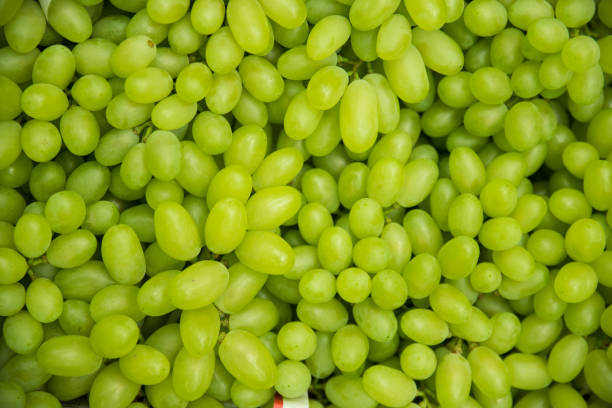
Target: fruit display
[{"x": 306, "y": 203}]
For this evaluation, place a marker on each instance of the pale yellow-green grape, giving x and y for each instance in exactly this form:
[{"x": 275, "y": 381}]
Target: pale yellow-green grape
[
  {"x": 450, "y": 304},
  {"x": 301, "y": 118},
  {"x": 271, "y": 207},
  {"x": 144, "y": 365},
  {"x": 225, "y": 226},
  {"x": 293, "y": 37},
  {"x": 141, "y": 23},
  {"x": 521, "y": 13},
  {"x": 388, "y": 385},
  {"x": 359, "y": 116},
  {"x": 466, "y": 170},
  {"x": 388, "y": 104},
  {"x": 419, "y": 178},
  {"x": 366, "y": 16},
  {"x": 527, "y": 371},
  {"x": 516, "y": 263},
  {"x": 575, "y": 282},
  {"x": 211, "y": 132},
  {"x": 363, "y": 44},
  {"x": 278, "y": 168},
  {"x": 424, "y": 233},
  {"x": 224, "y": 93},
  {"x": 25, "y": 31},
  {"x": 43, "y": 101},
  {"x": 170, "y": 61},
  {"x": 249, "y": 25},
  {"x": 386, "y": 181},
  {"x": 393, "y": 37},
  {"x": 347, "y": 391},
  {"x": 247, "y": 359},
  {"x": 10, "y": 106},
  {"x": 148, "y": 85},
  {"x": 465, "y": 215},
  {"x": 326, "y": 87},
  {"x": 231, "y": 181},
  {"x": 428, "y": 15},
  {"x": 244, "y": 283},
  {"x": 199, "y": 329},
  {"x": 110, "y": 377},
  {"x": 584, "y": 87},
  {"x": 295, "y": 64},
  {"x": 453, "y": 380},
  {"x": 439, "y": 51},
  {"x": 69, "y": 355},
  {"x": 183, "y": 38},
  {"x": 223, "y": 54},
  {"x": 173, "y": 112},
  {"x": 154, "y": 297},
  {"x": 122, "y": 113},
  {"x": 192, "y": 374},
  {"x": 266, "y": 252},
  {"x": 407, "y": 76},
  {"x": 485, "y": 18},
  {"x": 197, "y": 169},
  {"x": 484, "y": 120},
  {"x": 60, "y": 12},
  {"x": 9, "y": 10},
  {"x": 123, "y": 255},
  {"x": 80, "y": 130},
  {"x": 288, "y": 14},
  {"x": 167, "y": 12},
  {"x": 500, "y": 234},
  {"x": 132, "y": 54},
  {"x": 458, "y": 257},
  {"x": 207, "y": 15},
  {"x": 176, "y": 231},
  {"x": 261, "y": 78},
  {"x": 327, "y": 35},
  {"x": 248, "y": 148},
  {"x": 92, "y": 92},
  {"x": 250, "y": 111}
]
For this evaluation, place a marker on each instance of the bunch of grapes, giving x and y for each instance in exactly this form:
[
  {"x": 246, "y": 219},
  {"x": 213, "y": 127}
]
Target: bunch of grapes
[{"x": 319, "y": 203}]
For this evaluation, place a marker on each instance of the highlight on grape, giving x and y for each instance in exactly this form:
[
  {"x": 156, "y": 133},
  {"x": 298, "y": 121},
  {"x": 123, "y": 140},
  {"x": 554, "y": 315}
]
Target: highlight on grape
[{"x": 306, "y": 203}]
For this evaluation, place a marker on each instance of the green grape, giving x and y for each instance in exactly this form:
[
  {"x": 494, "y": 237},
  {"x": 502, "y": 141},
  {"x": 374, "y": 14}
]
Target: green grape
[
  {"x": 123, "y": 255},
  {"x": 378, "y": 324},
  {"x": 293, "y": 379},
  {"x": 258, "y": 370},
  {"x": 114, "y": 336},
  {"x": 65, "y": 211},
  {"x": 328, "y": 316},
  {"x": 407, "y": 76},
  {"x": 585, "y": 240},
  {"x": 75, "y": 317},
  {"x": 453, "y": 379},
  {"x": 167, "y": 12},
  {"x": 112, "y": 27},
  {"x": 265, "y": 252},
  {"x": 92, "y": 56},
  {"x": 186, "y": 286},
  {"x": 191, "y": 374},
  {"x": 598, "y": 373},
  {"x": 22, "y": 333},
  {"x": 41, "y": 399},
  {"x": 176, "y": 231},
  {"x": 320, "y": 186},
  {"x": 567, "y": 358},
  {"x": 44, "y": 101},
  {"x": 32, "y": 235},
  {"x": 575, "y": 282},
  {"x": 326, "y": 36},
  {"x": 348, "y": 391},
  {"x": 110, "y": 377},
  {"x": 458, "y": 257},
  {"x": 44, "y": 300},
  {"x": 28, "y": 15},
  {"x": 249, "y": 25},
  {"x": 207, "y": 15},
  {"x": 388, "y": 385},
  {"x": 393, "y": 37},
  {"x": 144, "y": 365},
  {"x": 258, "y": 317},
  {"x": 183, "y": 38},
  {"x": 13, "y": 298},
  {"x": 225, "y": 225},
  {"x": 92, "y": 92},
  {"x": 60, "y": 12},
  {"x": 68, "y": 355}
]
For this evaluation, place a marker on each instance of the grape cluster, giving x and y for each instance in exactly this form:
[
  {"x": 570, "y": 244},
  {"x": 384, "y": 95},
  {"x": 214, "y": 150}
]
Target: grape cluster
[{"x": 377, "y": 203}]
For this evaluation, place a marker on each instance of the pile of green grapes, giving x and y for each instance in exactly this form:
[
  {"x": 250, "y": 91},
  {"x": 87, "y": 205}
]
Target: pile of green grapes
[{"x": 347, "y": 203}]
